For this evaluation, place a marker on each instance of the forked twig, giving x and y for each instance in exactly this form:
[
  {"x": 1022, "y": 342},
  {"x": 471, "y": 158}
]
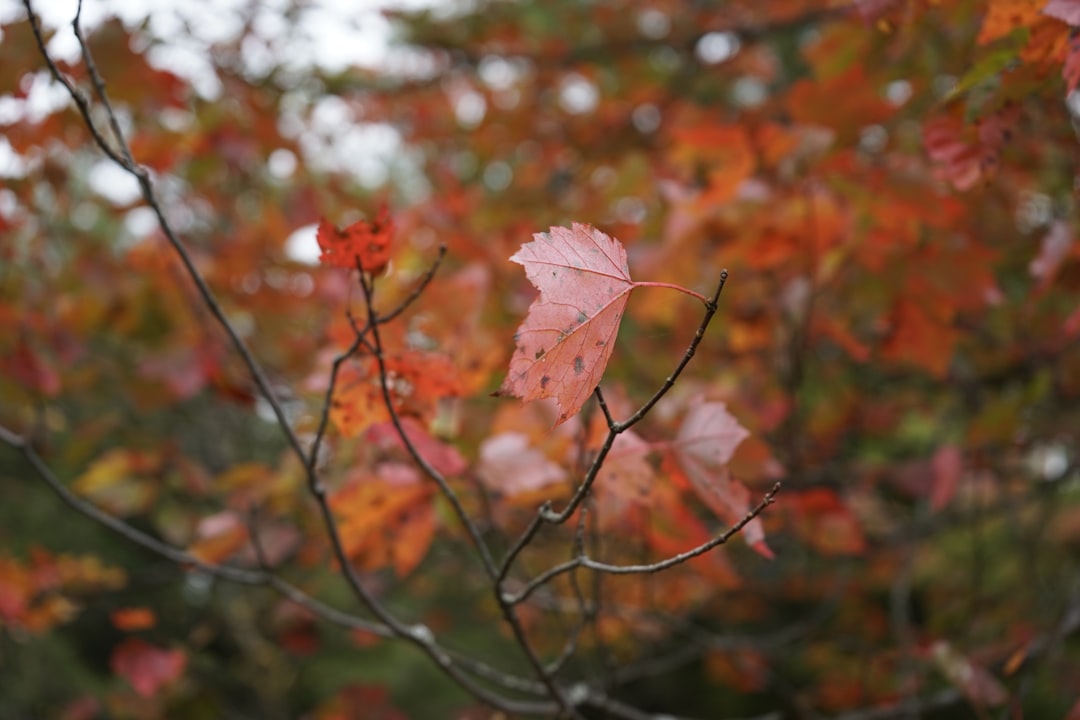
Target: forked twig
[
  {"x": 583, "y": 561},
  {"x": 419, "y": 636},
  {"x": 545, "y": 513},
  {"x": 556, "y": 692}
]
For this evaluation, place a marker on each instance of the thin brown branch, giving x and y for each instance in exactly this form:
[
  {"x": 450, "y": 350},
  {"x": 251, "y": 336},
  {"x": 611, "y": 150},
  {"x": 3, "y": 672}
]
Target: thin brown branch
[
  {"x": 417, "y": 291},
  {"x": 99, "y": 89},
  {"x": 328, "y": 399},
  {"x": 556, "y": 692},
  {"x": 419, "y": 636},
  {"x": 426, "y": 467},
  {"x": 240, "y": 575},
  {"x": 710, "y": 310},
  {"x": 557, "y": 518},
  {"x": 118, "y": 526},
  {"x": 583, "y": 561}
]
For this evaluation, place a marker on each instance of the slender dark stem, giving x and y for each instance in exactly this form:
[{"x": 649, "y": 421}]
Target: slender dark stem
[
  {"x": 602, "y": 402},
  {"x": 444, "y": 487},
  {"x": 124, "y": 159},
  {"x": 367, "y": 285},
  {"x": 711, "y": 306},
  {"x": 769, "y": 499},
  {"x": 99, "y": 88},
  {"x": 420, "y": 636},
  {"x": 545, "y": 513},
  {"x": 585, "y": 609},
  {"x": 118, "y": 526},
  {"x": 710, "y": 310},
  {"x": 328, "y": 400},
  {"x": 417, "y": 291}
]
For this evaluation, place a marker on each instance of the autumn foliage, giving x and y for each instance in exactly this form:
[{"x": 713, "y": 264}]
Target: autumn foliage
[{"x": 717, "y": 360}]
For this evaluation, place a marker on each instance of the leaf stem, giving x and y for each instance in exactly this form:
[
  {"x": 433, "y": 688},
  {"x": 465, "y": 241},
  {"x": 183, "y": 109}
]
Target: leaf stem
[{"x": 672, "y": 286}]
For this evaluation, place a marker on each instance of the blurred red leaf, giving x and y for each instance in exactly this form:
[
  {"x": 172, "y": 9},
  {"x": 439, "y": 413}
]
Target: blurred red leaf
[
  {"x": 416, "y": 381},
  {"x": 219, "y": 537},
  {"x": 31, "y": 369},
  {"x": 363, "y": 242},
  {"x": 948, "y": 465},
  {"x": 360, "y": 702},
  {"x": 626, "y": 478},
  {"x": 823, "y": 521},
  {"x": 443, "y": 457},
  {"x": 921, "y": 336},
  {"x": 146, "y": 667}
]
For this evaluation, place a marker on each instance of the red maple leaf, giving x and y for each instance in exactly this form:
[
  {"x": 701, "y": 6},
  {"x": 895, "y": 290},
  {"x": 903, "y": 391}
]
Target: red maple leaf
[
  {"x": 564, "y": 345},
  {"x": 363, "y": 242}
]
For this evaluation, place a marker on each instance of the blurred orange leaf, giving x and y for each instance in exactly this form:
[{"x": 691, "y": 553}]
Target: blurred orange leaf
[{"x": 131, "y": 619}]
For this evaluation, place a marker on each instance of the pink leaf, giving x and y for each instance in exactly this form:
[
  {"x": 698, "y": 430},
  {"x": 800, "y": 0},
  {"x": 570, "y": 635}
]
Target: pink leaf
[
  {"x": 1053, "y": 250},
  {"x": 564, "y": 345},
  {"x": 1070, "y": 70},
  {"x": 977, "y": 684},
  {"x": 626, "y": 477},
  {"x": 948, "y": 464},
  {"x": 710, "y": 434},
  {"x": 1071, "y": 327},
  {"x": 146, "y": 667},
  {"x": 1067, "y": 10},
  {"x": 510, "y": 465},
  {"x": 705, "y": 443}
]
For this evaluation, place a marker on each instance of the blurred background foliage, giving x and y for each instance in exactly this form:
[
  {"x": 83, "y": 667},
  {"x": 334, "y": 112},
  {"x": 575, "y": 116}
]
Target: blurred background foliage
[{"x": 889, "y": 182}]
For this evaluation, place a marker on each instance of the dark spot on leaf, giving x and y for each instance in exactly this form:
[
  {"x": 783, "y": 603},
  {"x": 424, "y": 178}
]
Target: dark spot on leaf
[
  {"x": 544, "y": 381},
  {"x": 579, "y": 365},
  {"x": 582, "y": 317},
  {"x": 601, "y": 343},
  {"x": 539, "y": 354}
]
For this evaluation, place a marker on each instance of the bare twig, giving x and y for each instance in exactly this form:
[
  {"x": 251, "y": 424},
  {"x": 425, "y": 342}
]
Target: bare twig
[
  {"x": 618, "y": 427},
  {"x": 545, "y": 513},
  {"x": 118, "y": 526},
  {"x": 328, "y": 400},
  {"x": 249, "y": 577},
  {"x": 419, "y": 636},
  {"x": 583, "y": 561},
  {"x": 367, "y": 285},
  {"x": 417, "y": 291},
  {"x": 444, "y": 486}
]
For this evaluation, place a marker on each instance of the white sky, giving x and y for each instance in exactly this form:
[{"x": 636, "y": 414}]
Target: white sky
[{"x": 331, "y": 34}]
